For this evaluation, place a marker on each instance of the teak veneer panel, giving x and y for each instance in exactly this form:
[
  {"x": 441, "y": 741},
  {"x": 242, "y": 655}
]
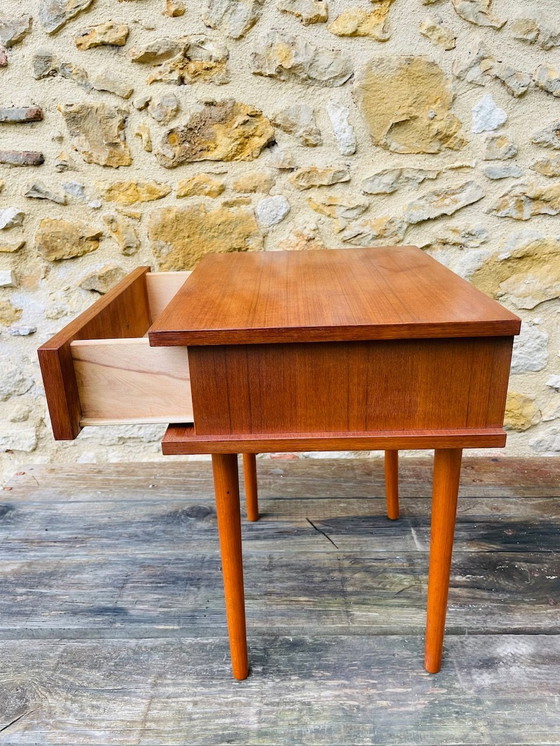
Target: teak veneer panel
[
  {"x": 332, "y": 295},
  {"x": 350, "y": 386}
]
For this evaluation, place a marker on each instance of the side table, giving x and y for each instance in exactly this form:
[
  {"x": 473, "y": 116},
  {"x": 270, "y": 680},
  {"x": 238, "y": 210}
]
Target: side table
[{"x": 353, "y": 349}]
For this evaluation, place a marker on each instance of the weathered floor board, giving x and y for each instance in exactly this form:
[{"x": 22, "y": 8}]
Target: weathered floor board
[{"x": 112, "y": 626}]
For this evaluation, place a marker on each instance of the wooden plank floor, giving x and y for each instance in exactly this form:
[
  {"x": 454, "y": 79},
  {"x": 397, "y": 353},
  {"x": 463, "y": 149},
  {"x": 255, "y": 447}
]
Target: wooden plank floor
[{"x": 112, "y": 626}]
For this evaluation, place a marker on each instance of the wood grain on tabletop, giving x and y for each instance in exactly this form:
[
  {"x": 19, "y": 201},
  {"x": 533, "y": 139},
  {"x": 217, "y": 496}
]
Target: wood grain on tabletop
[{"x": 340, "y": 294}]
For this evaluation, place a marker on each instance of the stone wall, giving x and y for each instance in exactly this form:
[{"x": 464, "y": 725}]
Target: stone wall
[{"x": 155, "y": 131}]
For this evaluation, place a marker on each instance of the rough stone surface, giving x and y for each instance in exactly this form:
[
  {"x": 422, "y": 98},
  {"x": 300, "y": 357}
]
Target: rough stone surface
[
  {"x": 516, "y": 82},
  {"x": 3, "y": 57},
  {"x": 18, "y": 439},
  {"x": 522, "y": 202},
  {"x": 530, "y": 350},
  {"x": 20, "y": 114},
  {"x": 254, "y": 181},
  {"x": 174, "y": 8},
  {"x": 131, "y": 192},
  {"x": 342, "y": 129},
  {"x": 185, "y": 60},
  {"x": 181, "y": 236},
  {"x": 164, "y": 108},
  {"x": 547, "y": 77},
  {"x": 478, "y": 12},
  {"x": 503, "y": 171},
  {"x": 406, "y": 102},
  {"x": 7, "y": 278},
  {"x": 124, "y": 232},
  {"x": 39, "y": 190},
  {"x": 487, "y": 116},
  {"x": 391, "y": 179},
  {"x": 499, "y": 148},
  {"x": 98, "y": 133},
  {"x": 104, "y": 34},
  {"x": 11, "y": 217},
  {"x": 549, "y": 137},
  {"x": 302, "y": 238},
  {"x": 200, "y": 185},
  {"x": 533, "y": 30},
  {"x": 57, "y": 239},
  {"x": 312, "y": 176},
  {"x": 103, "y": 279},
  {"x": 338, "y": 207},
  {"x": 527, "y": 272},
  {"x": 377, "y": 232},
  {"x": 548, "y": 442},
  {"x": 547, "y": 166},
  {"x": 308, "y": 11},
  {"x": 8, "y": 313},
  {"x": 475, "y": 65},
  {"x": 14, "y": 381},
  {"x": 521, "y": 412},
  {"x": 553, "y": 382},
  {"x": 106, "y": 81},
  {"x": 14, "y": 28},
  {"x": 143, "y": 132},
  {"x": 222, "y": 131},
  {"x": 434, "y": 29},
  {"x": 11, "y": 247},
  {"x": 284, "y": 57},
  {"x": 271, "y": 210},
  {"x": 299, "y": 120},
  {"x": 21, "y": 158},
  {"x": 360, "y": 22},
  {"x": 53, "y": 14},
  {"x": 232, "y": 17},
  {"x": 442, "y": 202}
]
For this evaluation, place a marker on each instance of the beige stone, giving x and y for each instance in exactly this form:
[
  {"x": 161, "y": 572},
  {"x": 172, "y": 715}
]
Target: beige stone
[
  {"x": 181, "y": 236},
  {"x": 124, "y": 232},
  {"x": 174, "y": 8},
  {"x": 299, "y": 120},
  {"x": 511, "y": 272},
  {"x": 302, "y": 239},
  {"x": 164, "y": 108},
  {"x": 131, "y": 192},
  {"x": 312, "y": 176},
  {"x": 11, "y": 248},
  {"x": 360, "y": 22},
  {"x": 521, "y": 412},
  {"x": 549, "y": 137},
  {"x": 547, "y": 166},
  {"x": 232, "y": 17},
  {"x": 440, "y": 202},
  {"x": 522, "y": 202},
  {"x": 463, "y": 236},
  {"x": 200, "y": 60},
  {"x": 499, "y": 148},
  {"x": 106, "y": 81},
  {"x": 103, "y": 279},
  {"x": 9, "y": 313},
  {"x": 143, "y": 132},
  {"x": 254, "y": 181},
  {"x": 478, "y": 12},
  {"x": 547, "y": 78},
  {"x": 308, "y": 11},
  {"x": 200, "y": 185},
  {"x": 104, "y": 34},
  {"x": 14, "y": 28},
  {"x": 391, "y": 179},
  {"x": 157, "y": 51},
  {"x": 406, "y": 102},
  {"x": 515, "y": 82},
  {"x": 222, "y": 131},
  {"x": 98, "y": 133},
  {"x": 475, "y": 65},
  {"x": 57, "y": 239},
  {"x": 53, "y": 14},
  {"x": 435, "y": 30},
  {"x": 533, "y": 30},
  {"x": 338, "y": 207},
  {"x": 293, "y": 57},
  {"x": 375, "y": 232}
]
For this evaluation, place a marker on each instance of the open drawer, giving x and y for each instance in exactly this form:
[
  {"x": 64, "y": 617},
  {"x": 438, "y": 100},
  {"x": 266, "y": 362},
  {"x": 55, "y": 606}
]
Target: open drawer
[{"x": 101, "y": 370}]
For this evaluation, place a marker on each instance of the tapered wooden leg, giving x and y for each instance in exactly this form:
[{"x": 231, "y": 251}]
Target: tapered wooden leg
[
  {"x": 447, "y": 469},
  {"x": 392, "y": 484},
  {"x": 226, "y": 487},
  {"x": 251, "y": 492}
]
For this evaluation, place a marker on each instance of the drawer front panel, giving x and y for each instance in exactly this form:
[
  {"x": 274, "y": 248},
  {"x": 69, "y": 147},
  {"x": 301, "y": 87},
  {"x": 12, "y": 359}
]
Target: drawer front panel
[{"x": 350, "y": 387}]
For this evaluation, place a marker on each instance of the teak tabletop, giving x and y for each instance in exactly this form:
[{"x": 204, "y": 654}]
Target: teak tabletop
[
  {"x": 352, "y": 349},
  {"x": 317, "y": 296}
]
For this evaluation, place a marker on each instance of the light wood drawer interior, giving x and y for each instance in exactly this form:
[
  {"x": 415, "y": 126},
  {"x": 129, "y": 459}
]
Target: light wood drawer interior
[{"x": 101, "y": 370}]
